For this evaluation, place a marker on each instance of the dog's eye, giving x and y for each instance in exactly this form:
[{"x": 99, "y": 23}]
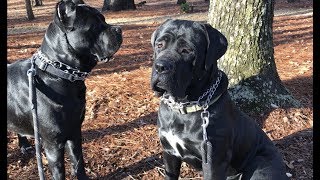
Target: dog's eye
[
  {"x": 185, "y": 51},
  {"x": 159, "y": 45}
]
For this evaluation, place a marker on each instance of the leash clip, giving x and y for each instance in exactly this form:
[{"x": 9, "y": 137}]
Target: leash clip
[
  {"x": 205, "y": 123},
  {"x": 205, "y": 116},
  {"x": 31, "y": 72}
]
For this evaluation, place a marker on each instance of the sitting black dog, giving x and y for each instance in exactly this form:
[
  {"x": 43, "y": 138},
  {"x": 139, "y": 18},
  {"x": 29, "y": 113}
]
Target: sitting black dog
[
  {"x": 74, "y": 42},
  {"x": 185, "y": 74}
]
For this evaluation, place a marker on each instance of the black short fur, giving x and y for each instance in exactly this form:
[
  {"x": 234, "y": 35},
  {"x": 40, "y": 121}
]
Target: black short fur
[
  {"x": 79, "y": 37},
  {"x": 185, "y": 66}
]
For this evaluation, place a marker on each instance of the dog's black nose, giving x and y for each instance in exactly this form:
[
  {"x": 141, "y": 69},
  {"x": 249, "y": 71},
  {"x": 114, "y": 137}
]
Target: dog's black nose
[{"x": 163, "y": 67}]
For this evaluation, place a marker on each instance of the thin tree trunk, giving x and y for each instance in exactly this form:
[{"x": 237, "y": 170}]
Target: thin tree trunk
[
  {"x": 249, "y": 61},
  {"x": 181, "y": 1},
  {"x": 118, "y": 5},
  {"x": 30, "y": 15},
  {"x": 38, "y": 3}
]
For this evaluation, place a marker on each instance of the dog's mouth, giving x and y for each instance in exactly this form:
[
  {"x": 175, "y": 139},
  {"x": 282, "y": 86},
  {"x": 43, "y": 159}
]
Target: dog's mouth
[
  {"x": 158, "y": 88},
  {"x": 106, "y": 59},
  {"x": 103, "y": 59}
]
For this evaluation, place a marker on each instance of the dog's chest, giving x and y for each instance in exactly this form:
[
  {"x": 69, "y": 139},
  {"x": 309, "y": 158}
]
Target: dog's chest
[
  {"x": 180, "y": 135},
  {"x": 168, "y": 138}
]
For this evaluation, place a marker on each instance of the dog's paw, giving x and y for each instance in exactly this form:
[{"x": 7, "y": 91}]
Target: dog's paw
[{"x": 27, "y": 150}]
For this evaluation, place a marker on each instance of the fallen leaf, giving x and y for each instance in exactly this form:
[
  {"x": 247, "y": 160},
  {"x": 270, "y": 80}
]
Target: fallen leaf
[{"x": 290, "y": 165}]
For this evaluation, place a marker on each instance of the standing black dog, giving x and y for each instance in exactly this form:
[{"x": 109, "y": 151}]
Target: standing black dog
[
  {"x": 185, "y": 74},
  {"x": 74, "y": 42}
]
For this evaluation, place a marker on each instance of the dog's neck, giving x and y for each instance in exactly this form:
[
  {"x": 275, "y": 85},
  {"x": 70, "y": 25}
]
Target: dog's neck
[
  {"x": 57, "y": 68},
  {"x": 207, "y": 97},
  {"x": 199, "y": 86},
  {"x": 83, "y": 62}
]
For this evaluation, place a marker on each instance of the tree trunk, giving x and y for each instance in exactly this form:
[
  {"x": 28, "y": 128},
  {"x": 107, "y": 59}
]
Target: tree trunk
[
  {"x": 38, "y": 3},
  {"x": 30, "y": 15},
  {"x": 254, "y": 83},
  {"x": 181, "y": 1},
  {"x": 118, "y": 5}
]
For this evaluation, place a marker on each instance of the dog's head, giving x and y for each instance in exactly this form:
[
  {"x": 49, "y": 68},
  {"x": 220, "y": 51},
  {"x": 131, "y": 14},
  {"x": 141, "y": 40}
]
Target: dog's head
[
  {"x": 184, "y": 51},
  {"x": 81, "y": 32}
]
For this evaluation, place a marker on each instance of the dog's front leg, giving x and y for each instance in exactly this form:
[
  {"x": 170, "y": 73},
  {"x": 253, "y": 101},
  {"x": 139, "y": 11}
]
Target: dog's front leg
[
  {"x": 55, "y": 156},
  {"x": 74, "y": 149},
  {"x": 172, "y": 166},
  {"x": 222, "y": 155},
  {"x": 25, "y": 146}
]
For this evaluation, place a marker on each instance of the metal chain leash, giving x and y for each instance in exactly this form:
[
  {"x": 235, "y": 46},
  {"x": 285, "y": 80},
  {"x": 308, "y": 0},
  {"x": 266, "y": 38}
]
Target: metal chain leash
[
  {"x": 33, "y": 101},
  {"x": 206, "y": 145},
  {"x": 210, "y": 92},
  {"x": 169, "y": 100},
  {"x": 206, "y": 114}
]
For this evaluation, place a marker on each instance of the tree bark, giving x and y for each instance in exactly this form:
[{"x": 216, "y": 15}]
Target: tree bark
[
  {"x": 118, "y": 5},
  {"x": 30, "y": 15},
  {"x": 254, "y": 83}
]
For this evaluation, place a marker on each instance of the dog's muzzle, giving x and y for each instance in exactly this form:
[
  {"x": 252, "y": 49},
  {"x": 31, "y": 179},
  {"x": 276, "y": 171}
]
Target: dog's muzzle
[{"x": 162, "y": 67}]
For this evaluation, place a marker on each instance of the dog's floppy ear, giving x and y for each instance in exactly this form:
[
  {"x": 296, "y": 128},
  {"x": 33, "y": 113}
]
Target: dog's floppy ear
[
  {"x": 153, "y": 37},
  {"x": 217, "y": 45},
  {"x": 78, "y": 2},
  {"x": 156, "y": 32},
  {"x": 66, "y": 13}
]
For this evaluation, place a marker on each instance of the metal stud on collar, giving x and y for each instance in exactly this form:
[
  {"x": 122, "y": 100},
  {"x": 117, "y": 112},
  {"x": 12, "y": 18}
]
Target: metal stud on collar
[
  {"x": 61, "y": 66},
  {"x": 167, "y": 99}
]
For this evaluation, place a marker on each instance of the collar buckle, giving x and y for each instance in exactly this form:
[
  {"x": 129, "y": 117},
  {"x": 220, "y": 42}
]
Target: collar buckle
[{"x": 43, "y": 65}]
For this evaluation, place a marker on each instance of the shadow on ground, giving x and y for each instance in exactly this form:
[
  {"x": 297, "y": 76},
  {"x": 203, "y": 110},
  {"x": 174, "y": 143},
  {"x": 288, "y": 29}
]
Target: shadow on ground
[{"x": 94, "y": 134}]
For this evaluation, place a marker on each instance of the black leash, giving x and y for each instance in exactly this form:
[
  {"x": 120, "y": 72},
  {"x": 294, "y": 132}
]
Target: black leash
[
  {"x": 33, "y": 100},
  {"x": 206, "y": 148}
]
